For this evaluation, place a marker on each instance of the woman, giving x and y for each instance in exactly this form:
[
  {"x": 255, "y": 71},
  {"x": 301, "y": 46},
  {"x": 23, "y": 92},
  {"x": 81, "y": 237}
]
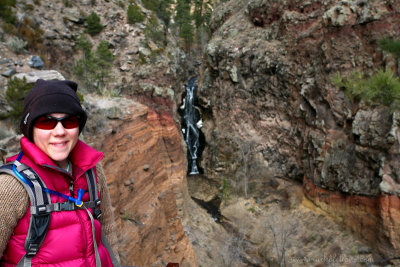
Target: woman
[{"x": 52, "y": 120}]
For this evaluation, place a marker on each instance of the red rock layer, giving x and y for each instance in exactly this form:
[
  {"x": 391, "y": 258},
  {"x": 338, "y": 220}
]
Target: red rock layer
[
  {"x": 374, "y": 219},
  {"x": 145, "y": 170}
]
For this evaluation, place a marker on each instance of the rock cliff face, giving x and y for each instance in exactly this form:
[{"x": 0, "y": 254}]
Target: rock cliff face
[
  {"x": 266, "y": 82},
  {"x": 144, "y": 166}
]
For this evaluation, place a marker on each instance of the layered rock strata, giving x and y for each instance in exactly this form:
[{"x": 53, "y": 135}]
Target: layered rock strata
[{"x": 144, "y": 166}]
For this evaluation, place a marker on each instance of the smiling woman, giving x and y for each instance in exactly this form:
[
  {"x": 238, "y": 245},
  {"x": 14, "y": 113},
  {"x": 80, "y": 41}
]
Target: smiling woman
[
  {"x": 63, "y": 171},
  {"x": 58, "y": 141}
]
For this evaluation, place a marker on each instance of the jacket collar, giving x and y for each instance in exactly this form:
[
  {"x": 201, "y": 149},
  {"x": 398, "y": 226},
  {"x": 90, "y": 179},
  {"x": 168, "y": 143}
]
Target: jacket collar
[{"x": 82, "y": 156}]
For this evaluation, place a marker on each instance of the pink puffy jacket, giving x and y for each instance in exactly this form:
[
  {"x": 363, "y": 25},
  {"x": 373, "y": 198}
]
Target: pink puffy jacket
[{"x": 69, "y": 240}]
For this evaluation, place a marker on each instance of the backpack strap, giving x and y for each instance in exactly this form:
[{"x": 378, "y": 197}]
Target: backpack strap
[
  {"x": 94, "y": 198},
  {"x": 93, "y": 193},
  {"x": 40, "y": 216}
]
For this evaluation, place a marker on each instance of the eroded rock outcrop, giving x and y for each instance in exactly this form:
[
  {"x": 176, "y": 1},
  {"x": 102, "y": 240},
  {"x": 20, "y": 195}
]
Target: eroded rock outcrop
[{"x": 144, "y": 165}]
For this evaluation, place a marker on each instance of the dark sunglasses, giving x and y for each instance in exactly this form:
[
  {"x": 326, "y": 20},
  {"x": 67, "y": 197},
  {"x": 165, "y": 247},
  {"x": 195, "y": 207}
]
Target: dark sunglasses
[{"x": 48, "y": 122}]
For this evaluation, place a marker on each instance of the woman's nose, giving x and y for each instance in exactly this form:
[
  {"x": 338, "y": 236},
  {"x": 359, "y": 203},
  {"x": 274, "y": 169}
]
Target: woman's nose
[{"x": 59, "y": 129}]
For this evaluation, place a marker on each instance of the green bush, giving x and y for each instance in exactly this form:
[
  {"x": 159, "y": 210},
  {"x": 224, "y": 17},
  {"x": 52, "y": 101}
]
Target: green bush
[
  {"x": 16, "y": 44},
  {"x": 94, "y": 67},
  {"x": 103, "y": 58},
  {"x": 225, "y": 190},
  {"x": 161, "y": 8},
  {"x": 27, "y": 30},
  {"x": 134, "y": 14},
  {"x": 67, "y": 3},
  {"x": 6, "y": 11},
  {"x": 150, "y": 4},
  {"x": 391, "y": 46},
  {"x": 154, "y": 31},
  {"x": 93, "y": 24},
  {"x": 183, "y": 21},
  {"x": 381, "y": 88},
  {"x": 16, "y": 92},
  {"x": 121, "y": 4}
]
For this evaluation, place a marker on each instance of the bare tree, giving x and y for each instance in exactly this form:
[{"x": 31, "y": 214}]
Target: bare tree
[
  {"x": 233, "y": 251},
  {"x": 245, "y": 152},
  {"x": 282, "y": 230}
]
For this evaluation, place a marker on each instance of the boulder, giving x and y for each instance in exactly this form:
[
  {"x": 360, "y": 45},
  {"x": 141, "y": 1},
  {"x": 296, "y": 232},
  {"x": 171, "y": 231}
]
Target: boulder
[
  {"x": 31, "y": 77},
  {"x": 36, "y": 62}
]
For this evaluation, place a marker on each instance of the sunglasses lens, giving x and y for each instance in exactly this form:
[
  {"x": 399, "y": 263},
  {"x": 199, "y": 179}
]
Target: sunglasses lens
[
  {"x": 45, "y": 123},
  {"x": 48, "y": 123},
  {"x": 70, "y": 122}
]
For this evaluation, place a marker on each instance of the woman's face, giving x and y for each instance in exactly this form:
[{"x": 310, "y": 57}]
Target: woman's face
[{"x": 58, "y": 142}]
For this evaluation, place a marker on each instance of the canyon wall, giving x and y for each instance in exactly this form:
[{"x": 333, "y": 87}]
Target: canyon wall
[
  {"x": 267, "y": 96},
  {"x": 145, "y": 169}
]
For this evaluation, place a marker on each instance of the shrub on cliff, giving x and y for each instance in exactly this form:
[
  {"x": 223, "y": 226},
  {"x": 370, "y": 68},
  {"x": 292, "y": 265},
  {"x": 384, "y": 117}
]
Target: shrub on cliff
[
  {"x": 183, "y": 21},
  {"x": 161, "y": 8},
  {"x": 16, "y": 44},
  {"x": 6, "y": 11},
  {"x": 154, "y": 31},
  {"x": 134, "y": 14},
  {"x": 103, "y": 60},
  {"x": 93, "y": 24},
  {"x": 201, "y": 17},
  {"x": 16, "y": 91},
  {"x": 381, "y": 88},
  {"x": 391, "y": 46},
  {"x": 94, "y": 67}
]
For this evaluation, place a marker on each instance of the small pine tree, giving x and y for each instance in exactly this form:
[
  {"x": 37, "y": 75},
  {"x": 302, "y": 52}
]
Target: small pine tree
[
  {"x": 6, "y": 11},
  {"x": 163, "y": 11},
  {"x": 93, "y": 24},
  {"x": 134, "y": 14},
  {"x": 154, "y": 31},
  {"x": 201, "y": 17},
  {"x": 381, "y": 88},
  {"x": 197, "y": 14},
  {"x": 103, "y": 54},
  {"x": 186, "y": 33},
  {"x": 94, "y": 67},
  {"x": 391, "y": 46},
  {"x": 83, "y": 66},
  {"x": 103, "y": 60},
  {"x": 17, "y": 90},
  {"x": 83, "y": 43},
  {"x": 150, "y": 4},
  {"x": 184, "y": 22}
]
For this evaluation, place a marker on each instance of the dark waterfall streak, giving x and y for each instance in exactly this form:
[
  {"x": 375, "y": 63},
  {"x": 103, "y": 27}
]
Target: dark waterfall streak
[{"x": 191, "y": 125}]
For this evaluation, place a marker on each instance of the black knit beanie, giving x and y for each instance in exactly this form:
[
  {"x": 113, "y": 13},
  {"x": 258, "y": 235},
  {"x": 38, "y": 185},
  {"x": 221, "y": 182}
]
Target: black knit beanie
[{"x": 48, "y": 97}]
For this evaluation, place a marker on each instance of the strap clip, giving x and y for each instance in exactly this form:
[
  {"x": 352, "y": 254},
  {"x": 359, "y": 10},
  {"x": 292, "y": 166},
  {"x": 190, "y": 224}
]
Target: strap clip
[
  {"x": 32, "y": 250},
  {"x": 97, "y": 213},
  {"x": 39, "y": 210},
  {"x": 65, "y": 206}
]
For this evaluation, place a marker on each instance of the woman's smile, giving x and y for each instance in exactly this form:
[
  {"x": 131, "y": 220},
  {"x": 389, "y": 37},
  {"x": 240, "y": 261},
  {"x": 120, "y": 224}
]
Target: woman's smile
[{"x": 57, "y": 143}]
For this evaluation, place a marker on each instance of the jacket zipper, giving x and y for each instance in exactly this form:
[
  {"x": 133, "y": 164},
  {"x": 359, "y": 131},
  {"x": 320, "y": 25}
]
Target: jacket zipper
[{"x": 71, "y": 189}]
